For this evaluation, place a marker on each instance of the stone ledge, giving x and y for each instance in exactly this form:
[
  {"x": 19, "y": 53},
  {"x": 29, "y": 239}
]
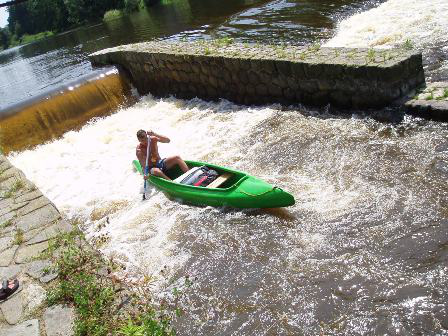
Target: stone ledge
[
  {"x": 259, "y": 74},
  {"x": 430, "y": 103}
]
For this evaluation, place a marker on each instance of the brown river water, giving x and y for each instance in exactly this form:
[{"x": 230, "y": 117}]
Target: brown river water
[{"x": 363, "y": 251}]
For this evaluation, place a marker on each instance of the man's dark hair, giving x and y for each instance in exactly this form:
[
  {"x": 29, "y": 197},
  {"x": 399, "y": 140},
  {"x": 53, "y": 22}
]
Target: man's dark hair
[{"x": 141, "y": 134}]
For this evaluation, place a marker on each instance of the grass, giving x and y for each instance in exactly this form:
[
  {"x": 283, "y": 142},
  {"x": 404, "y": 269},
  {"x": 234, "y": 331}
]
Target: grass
[
  {"x": 29, "y": 38},
  {"x": 95, "y": 296},
  {"x": 371, "y": 56},
  {"x": 408, "y": 44},
  {"x": 315, "y": 47},
  {"x": 18, "y": 238},
  {"x": 223, "y": 42},
  {"x": 19, "y": 184},
  {"x": 112, "y": 15},
  {"x": 430, "y": 96},
  {"x": 6, "y": 224}
]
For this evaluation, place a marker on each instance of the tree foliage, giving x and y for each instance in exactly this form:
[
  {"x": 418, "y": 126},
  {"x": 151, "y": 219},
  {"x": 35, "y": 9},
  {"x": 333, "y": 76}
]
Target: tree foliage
[
  {"x": 34, "y": 16},
  {"x": 4, "y": 37}
]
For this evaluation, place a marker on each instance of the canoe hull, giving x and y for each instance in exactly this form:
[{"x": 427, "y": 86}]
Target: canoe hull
[{"x": 245, "y": 192}]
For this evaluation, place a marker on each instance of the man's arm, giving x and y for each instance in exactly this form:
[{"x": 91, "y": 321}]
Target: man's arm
[
  {"x": 159, "y": 138},
  {"x": 141, "y": 156}
]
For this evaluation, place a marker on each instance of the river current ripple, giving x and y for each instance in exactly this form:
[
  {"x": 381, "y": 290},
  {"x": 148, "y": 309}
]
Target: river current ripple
[{"x": 362, "y": 252}]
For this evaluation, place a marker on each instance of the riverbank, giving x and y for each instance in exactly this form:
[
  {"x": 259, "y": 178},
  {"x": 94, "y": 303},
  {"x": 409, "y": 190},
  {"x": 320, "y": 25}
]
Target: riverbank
[
  {"x": 25, "y": 39},
  {"x": 66, "y": 286},
  {"x": 26, "y": 25}
]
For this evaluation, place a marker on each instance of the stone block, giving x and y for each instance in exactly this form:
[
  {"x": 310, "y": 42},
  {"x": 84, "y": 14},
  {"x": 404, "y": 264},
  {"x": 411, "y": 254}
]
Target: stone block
[
  {"x": 245, "y": 64},
  {"x": 243, "y": 78},
  {"x": 12, "y": 308},
  {"x": 6, "y": 203},
  {"x": 227, "y": 75},
  {"x": 33, "y": 296},
  {"x": 27, "y": 328},
  {"x": 29, "y": 196},
  {"x": 7, "y": 256},
  {"x": 340, "y": 99},
  {"x": 289, "y": 94},
  {"x": 59, "y": 320},
  {"x": 274, "y": 90},
  {"x": 326, "y": 85},
  {"x": 205, "y": 68},
  {"x": 5, "y": 165},
  {"x": 213, "y": 81},
  {"x": 7, "y": 217},
  {"x": 196, "y": 68},
  {"x": 36, "y": 269},
  {"x": 38, "y": 218},
  {"x": 309, "y": 86},
  {"x": 10, "y": 272},
  {"x": 33, "y": 205},
  {"x": 211, "y": 92},
  {"x": 261, "y": 89},
  {"x": 297, "y": 70},
  {"x": 26, "y": 253},
  {"x": 6, "y": 242},
  {"x": 253, "y": 77},
  {"x": 250, "y": 90},
  {"x": 314, "y": 70},
  {"x": 284, "y": 68}
]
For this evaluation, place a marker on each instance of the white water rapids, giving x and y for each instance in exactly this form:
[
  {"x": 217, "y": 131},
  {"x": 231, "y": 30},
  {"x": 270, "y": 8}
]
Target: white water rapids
[
  {"x": 422, "y": 24},
  {"x": 363, "y": 251}
]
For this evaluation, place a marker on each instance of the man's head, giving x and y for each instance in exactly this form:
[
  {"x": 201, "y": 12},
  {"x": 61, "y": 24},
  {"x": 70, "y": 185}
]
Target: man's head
[{"x": 141, "y": 135}]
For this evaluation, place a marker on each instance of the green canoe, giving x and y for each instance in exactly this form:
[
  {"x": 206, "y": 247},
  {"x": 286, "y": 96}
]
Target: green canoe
[{"x": 234, "y": 188}]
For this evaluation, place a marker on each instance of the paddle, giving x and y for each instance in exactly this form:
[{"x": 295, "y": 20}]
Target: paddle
[{"x": 146, "y": 168}]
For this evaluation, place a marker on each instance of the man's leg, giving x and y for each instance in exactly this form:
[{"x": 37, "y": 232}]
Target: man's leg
[
  {"x": 158, "y": 172},
  {"x": 176, "y": 160}
]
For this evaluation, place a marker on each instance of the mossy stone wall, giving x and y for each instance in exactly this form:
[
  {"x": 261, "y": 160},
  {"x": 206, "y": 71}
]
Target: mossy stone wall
[{"x": 259, "y": 74}]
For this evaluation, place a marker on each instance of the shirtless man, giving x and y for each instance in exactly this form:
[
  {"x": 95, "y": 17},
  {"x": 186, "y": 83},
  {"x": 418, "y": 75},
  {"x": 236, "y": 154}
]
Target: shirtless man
[{"x": 157, "y": 166}]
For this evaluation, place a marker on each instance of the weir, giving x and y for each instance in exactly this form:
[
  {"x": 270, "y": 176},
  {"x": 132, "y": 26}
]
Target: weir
[
  {"x": 260, "y": 74},
  {"x": 48, "y": 116}
]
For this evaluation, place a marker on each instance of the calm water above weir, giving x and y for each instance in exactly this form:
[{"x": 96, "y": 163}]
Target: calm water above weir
[{"x": 363, "y": 252}]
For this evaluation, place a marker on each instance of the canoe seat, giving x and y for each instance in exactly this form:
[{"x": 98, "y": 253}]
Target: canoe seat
[
  {"x": 220, "y": 180},
  {"x": 184, "y": 175}
]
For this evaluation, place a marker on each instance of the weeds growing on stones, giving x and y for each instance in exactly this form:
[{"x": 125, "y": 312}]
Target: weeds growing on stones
[
  {"x": 14, "y": 188},
  {"x": 18, "y": 237},
  {"x": 6, "y": 224},
  {"x": 85, "y": 283},
  {"x": 371, "y": 56},
  {"x": 408, "y": 44}
]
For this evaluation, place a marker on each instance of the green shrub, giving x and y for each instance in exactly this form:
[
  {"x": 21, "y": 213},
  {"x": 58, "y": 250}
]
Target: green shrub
[{"x": 112, "y": 15}]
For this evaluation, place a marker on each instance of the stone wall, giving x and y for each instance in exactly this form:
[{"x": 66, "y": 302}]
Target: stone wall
[
  {"x": 430, "y": 103},
  {"x": 28, "y": 220},
  {"x": 259, "y": 74}
]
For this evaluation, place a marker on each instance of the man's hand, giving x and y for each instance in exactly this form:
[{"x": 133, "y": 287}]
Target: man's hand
[
  {"x": 150, "y": 133},
  {"x": 145, "y": 177}
]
